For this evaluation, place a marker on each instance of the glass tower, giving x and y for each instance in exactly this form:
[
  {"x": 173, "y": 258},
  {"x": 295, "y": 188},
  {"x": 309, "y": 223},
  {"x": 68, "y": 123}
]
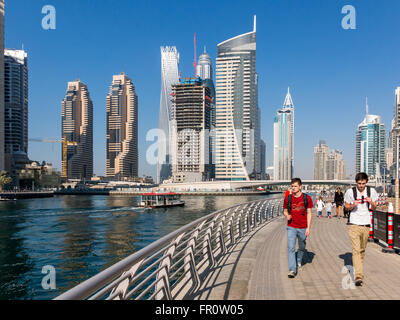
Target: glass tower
[
  {"x": 370, "y": 144},
  {"x": 283, "y": 140},
  {"x": 236, "y": 108},
  {"x": 169, "y": 77}
]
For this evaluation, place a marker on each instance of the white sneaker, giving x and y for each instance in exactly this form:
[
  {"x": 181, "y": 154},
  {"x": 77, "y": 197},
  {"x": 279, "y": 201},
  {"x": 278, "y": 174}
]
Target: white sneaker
[{"x": 291, "y": 274}]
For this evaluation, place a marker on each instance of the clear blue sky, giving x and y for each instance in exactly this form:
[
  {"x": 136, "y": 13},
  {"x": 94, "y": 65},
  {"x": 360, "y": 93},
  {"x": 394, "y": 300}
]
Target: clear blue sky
[{"x": 300, "y": 43}]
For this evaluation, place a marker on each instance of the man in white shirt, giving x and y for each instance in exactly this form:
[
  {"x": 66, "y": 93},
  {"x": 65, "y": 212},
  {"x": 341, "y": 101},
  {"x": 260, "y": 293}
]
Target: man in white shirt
[{"x": 360, "y": 221}]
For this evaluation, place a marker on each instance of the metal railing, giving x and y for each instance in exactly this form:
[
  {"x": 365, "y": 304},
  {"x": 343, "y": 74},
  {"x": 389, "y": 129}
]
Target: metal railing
[{"x": 174, "y": 266}]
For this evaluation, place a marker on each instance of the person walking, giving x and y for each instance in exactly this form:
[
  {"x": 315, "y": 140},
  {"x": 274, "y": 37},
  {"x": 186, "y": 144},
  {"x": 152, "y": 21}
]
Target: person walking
[
  {"x": 339, "y": 199},
  {"x": 329, "y": 208},
  {"x": 297, "y": 210},
  {"x": 359, "y": 201},
  {"x": 320, "y": 206}
]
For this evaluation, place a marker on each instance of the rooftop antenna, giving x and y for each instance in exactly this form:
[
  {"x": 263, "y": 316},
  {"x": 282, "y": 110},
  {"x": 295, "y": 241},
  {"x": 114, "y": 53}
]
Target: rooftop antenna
[
  {"x": 255, "y": 20},
  {"x": 194, "y": 63},
  {"x": 366, "y": 105}
]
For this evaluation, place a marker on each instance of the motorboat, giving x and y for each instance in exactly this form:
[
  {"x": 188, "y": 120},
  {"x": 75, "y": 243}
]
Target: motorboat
[{"x": 161, "y": 200}]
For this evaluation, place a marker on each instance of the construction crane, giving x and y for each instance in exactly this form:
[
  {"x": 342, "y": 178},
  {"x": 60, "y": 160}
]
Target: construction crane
[{"x": 65, "y": 144}]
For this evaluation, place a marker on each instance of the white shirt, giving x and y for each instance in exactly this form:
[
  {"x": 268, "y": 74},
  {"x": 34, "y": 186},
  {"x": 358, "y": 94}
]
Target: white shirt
[
  {"x": 328, "y": 206},
  {"x": 320, "y": 205},
  {"x": 360, "y": 215}
]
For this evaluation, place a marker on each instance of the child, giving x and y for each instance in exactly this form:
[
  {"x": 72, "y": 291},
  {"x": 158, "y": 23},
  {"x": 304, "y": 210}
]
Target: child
[
  {"x": 329, "y": 208},
  {"x": 320, "y": 206}
]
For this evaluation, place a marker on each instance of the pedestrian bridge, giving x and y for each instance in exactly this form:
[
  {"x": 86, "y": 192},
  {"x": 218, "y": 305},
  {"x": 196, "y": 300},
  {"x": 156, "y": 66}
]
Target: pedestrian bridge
[
  {"x": 241, "y": 253},
  {"x": 233, "y": 185}
]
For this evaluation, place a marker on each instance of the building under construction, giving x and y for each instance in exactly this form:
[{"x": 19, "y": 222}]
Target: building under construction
[{"x": 191, "y": 138}]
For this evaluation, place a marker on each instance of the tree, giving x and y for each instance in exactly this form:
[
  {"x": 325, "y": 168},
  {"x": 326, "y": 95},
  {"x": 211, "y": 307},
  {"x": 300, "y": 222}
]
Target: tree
[{"x": 4, "y": 179}]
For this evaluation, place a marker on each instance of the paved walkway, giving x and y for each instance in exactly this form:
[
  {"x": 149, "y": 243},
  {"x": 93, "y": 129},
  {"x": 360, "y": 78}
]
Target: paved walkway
[{"x": 257, "y": 267}]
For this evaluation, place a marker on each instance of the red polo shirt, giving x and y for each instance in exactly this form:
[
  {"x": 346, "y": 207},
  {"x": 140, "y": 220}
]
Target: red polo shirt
[{"x": 299, "y": 215}]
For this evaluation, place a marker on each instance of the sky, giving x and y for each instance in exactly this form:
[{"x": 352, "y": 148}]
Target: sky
[{"x": 301, "y": 44}]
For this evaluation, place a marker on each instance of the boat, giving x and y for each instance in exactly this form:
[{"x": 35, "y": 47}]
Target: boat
[
  {"x": 160, "y": 200},
  {"x": 7, "y": 199}
]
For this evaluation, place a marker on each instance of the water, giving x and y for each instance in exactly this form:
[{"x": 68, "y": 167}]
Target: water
[{"x": 82, "y": 235}]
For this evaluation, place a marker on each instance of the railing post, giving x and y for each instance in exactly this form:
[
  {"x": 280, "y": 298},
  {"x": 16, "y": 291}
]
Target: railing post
[
  {"x": 389, "y": 241},
  {"x": 371, "y": 226}
]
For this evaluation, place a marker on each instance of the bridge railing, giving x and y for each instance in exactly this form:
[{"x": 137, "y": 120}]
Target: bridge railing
[{"x": 174, "y": 266}]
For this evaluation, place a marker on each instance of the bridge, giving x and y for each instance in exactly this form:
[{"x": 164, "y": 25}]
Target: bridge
[
  {"x": 241, "y": 253},
  {"x": 234, "y": 185}
]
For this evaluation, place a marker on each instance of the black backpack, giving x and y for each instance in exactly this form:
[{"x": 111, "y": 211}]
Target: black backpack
[
  {"x": 355, "y": 198},
  {"x": 304, "y": 200}
]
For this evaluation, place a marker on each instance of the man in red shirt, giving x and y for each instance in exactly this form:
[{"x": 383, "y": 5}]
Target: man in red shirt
[{"x": 298, "y": 218}]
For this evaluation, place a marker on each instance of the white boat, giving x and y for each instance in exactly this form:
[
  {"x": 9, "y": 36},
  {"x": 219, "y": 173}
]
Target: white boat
[{"x": 161, "y": 200}]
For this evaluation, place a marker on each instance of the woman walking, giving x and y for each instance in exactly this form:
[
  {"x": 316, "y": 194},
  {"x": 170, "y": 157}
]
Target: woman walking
[{"x": 339, "y": 199}]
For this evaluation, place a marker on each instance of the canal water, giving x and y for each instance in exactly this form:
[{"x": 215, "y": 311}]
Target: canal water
[{"x": 82, "y": 235}]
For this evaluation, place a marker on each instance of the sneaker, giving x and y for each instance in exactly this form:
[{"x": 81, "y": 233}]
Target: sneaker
[
  {"x": 358, "y": 282},
  {"x": 291, "y": 274},
  {"x": 298, "y": 265}
]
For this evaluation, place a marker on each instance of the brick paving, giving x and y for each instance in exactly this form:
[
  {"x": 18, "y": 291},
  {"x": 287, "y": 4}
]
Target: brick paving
[{"x": 256, "y": 268}]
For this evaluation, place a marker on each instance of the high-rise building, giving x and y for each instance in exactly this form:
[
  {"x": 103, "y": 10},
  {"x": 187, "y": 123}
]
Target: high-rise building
[
  {"x": 2, "y": 85},
  {"x": 205, "y": 72},
  {"x": 77, "y": 126},
  {"x": 122, "y": 129},
  {"x": 394, "y": 135},
  {"x": 204, "y": 66},
  {"x": 236, "y": 108},
  {"x": 16, "y": 111},
  {"x": 320, "y": 158},
  {"x": 263, "y": 151},
  {"x": 335, "y": 166},
  {"x": 169, "y": 77},
  {"x": 370, "y": 144},
  {"x": 190, "y": 143},
  {"x": 283, "y": 140}
]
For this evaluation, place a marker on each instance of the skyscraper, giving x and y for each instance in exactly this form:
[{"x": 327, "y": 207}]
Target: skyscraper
[
  {"x": 169, "y": 77},
  {"x": 205, "y": 72},
  {"x": 190, "y": 144},
  {"x": 236, "y": 108},
  {"x": 16, "y": 111},
  {"x": 283, "y": 140},
  {"x": 1, "y": 84},
  {"x": 370, "y": 144},
  {"x": 263, "y": 167},
  {"x": 335, "y": 166},
  {"x": 394, "y": 133},
  {"x": 77, "y": 126},
  {"x": 122, "y": 129},
  {"x": 320, "y": 159}
]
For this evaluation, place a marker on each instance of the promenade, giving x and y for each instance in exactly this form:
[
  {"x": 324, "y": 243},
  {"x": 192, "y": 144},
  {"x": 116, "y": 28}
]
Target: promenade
[{"x": 256, "y": 268}]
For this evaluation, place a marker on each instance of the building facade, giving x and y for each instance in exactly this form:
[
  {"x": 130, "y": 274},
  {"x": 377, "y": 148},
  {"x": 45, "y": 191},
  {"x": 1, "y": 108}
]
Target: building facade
[
  {"x": 321, "y": 152},
  {"x": 169, "y": 77},
  {"x": 2, "y": 165},
  {"x": 394, "y": 136},
  {"x": 16, "y": 111},
  {"x": 191, "y": 152},
  {"x": 370, "y": 145},
  {"x": 283, "y": 140},
  {"x": 77, "y": 126},
  {"x": 122, "y": 129},
  {"x": 335, "y": 166},
  {"x": 236, "y": 108}
]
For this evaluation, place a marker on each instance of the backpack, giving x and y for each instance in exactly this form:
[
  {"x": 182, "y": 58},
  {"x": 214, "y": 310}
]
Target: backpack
[
  {"x": 355, "y": 198},
  {"x": 304, "y": 200}
]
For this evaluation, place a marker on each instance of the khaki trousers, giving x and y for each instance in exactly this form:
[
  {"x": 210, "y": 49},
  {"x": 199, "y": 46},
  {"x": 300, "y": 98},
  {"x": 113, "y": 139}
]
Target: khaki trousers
[{"x": 359, "y": 239}]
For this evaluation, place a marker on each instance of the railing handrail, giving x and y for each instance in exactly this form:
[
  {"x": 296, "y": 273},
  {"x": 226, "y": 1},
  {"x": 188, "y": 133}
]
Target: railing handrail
[{"x": 91, "y": 285}]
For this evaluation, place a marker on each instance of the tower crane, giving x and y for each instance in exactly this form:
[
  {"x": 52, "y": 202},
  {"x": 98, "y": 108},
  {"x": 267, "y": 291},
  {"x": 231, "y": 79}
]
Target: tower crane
[{"x": 65, "y": 144}]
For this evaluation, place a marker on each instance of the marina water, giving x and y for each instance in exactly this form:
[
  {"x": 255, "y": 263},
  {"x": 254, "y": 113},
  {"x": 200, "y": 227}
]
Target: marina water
[{"x": 82, "y": 235}]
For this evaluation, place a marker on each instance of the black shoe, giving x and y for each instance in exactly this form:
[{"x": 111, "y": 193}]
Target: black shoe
[
  {"x": 359, "y": 282},
  {"x": 291, "y": 274}
]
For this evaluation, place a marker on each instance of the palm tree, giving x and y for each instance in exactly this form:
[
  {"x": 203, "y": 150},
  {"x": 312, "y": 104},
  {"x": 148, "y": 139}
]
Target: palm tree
[{"x": 4, "y": 179}]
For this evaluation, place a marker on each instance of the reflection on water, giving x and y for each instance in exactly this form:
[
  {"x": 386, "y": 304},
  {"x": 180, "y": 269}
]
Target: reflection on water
[{"x": 82, "y": 235}]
